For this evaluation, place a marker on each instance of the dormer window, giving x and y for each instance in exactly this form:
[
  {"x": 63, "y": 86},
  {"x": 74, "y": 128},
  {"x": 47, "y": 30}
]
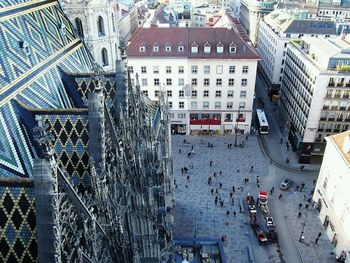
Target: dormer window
[
  {"x": 207, "y": 48},
  {"x": 25, "y": 47},
  {"x": 167, "y": 47},
  {"x": 142, "y": 48},
  {"x": 232, "y": 47},
  {"x": 194, "y": 47},
  {"x": 156, "y": 47},
  {"x": 219, "y": 48}
]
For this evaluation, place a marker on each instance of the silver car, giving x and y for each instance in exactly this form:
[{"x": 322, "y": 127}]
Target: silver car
[{"x": 286, "y": 183}]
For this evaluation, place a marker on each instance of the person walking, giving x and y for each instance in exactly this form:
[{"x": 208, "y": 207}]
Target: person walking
[
  {"x": 233, "y": 189},
  {"x": 231, "y": 194},
  {"x": 280, "y": 197},
  {"x": 233, "y": 201},
  {"x": 222, "y": 203},
  {"x": 234, "y": 213},
  {"x": 316, "y": 240},
  {"x": 300, "y": 205},
  {"x": 210, "y": 163},
  {"x": 188, "y": 178},
  {"x": 212, "y": 191},
  {"x": 257, "y": 179},
  {"x": 299, "y": 214},
  {"x": 216, "y": 200},
  {"x": 319, "y": 235},
  {"x": 220, "y": 185},
  {"x": 307, "y": 206},
  {"x": 182, "y": 171},
  {"x": 251, "y": 168},
  {"x": 227, "y": 213}
]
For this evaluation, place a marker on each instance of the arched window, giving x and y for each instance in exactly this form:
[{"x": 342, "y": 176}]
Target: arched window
[
  {"x": 100, "y": 26},
  {"x": 79, "y": 27},
  {"x": 104, "y": 57}
]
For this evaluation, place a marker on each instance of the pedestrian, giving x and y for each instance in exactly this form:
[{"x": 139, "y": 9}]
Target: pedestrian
[
  {"x": 210, "y": 163},
  {"x": 220, "y": 173},
  {"x": 314, "y": 182},
  {"x": 216, "y": 191},
  {"x": 214, "y": 174},
  {"x": 231, "y": 194},
  {"x": 271, "y": 192},
  {"x": 212, "y": 191},
  {"x": 233, "y": 201},
  {"x": 316, "y": 240},
  {"x": 307, "y": 206},
  {"x": 240, "y": 208},
  {"x": 192, "y": 148},
  {"x": 216, "y": 200},
  {"x": 182, "y": 170},
  {"x": 233, "y": 188},
  {"x": 281, "y": 141},
  {"x": 220, "y": 184},
  {"x": 309, "y": 200},
  {"x": 246, "y": 137},
  {"x": 300, "y": 205},
  {"x": 319, "y": 235},
  {"x": 299, "y": 214},
  {"x": 251, "y": 168},
  {"x": 227, "y": 213},
  {"x": 257, "y": 179},
  {"x": 179, "y": 150},
  {"x": 258, "y": 185},
  {"x": 297, "y": 187},
  {"x": 188, "y": 178},
  {"x": 280, "y": 196},
  {"x": 222, "y": 203},
  {"x": 234, "y": 213},
  {"x": 302, "y": 168},
  {"x": 287, "y": 160}
]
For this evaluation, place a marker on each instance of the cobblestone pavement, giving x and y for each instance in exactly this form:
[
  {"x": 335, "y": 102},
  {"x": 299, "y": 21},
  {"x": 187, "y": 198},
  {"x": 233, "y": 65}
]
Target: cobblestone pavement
[{"x": 196, "y": 213}]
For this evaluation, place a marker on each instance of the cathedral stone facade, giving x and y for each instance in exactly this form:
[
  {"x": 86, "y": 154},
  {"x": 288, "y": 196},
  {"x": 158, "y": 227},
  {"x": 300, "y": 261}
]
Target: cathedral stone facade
[{"x": 85, "y": 163}]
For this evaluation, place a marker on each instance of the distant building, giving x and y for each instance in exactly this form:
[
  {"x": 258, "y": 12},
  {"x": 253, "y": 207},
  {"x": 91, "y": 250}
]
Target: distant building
[
  {"x": 315, "y": 93},
  {"x": 332, "y": 191},
  {"x": 336, "y": 10},
  {"x": 251, "y": 13},
  {"x": 127, "y": 20},
  {"x": 276, "y": 30},
  {"x": 208, "y": 75}
]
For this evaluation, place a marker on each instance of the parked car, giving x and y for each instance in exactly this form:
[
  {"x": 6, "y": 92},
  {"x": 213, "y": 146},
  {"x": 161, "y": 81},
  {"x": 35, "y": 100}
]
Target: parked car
[
  {"x": 286, "y": 183},
  {"x": 261, "y": 236},
  {"x": 269, "y": 221}
]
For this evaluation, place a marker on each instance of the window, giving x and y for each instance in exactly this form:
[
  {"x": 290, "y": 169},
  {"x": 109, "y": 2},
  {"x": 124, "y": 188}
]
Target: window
[
  {"x": 167, "y": 48},
  {"x": 156, "y": 93},
  {"x": 155, "y": 48},
  {"x": 181, "y": 94},
  {"x": 181, "y": 115},
  {"x": 193, "y": 105},
  {"x": 169, "y": 93},
  {"x": 181, "y": 69},
  {"x": 180, "y": 48},
  {"x": 131, "y": 69},
  {"x": 218, "y": 94},
  {"x": 231, "y": 82},
  {"x": 143, "y": 69},
  {"x": 207, "y": 48},
  {"x": 181, "y": 105},
  {"x": 232, "y": 69},
  {"x": 194, "y": 48},
  {"x": 194, "y": 82},
  {"x": 242, "y": 105},
  {"x": 170, "y": 104},
  {"x": 79, "y": 27},
  {"x": 104, "y": 55},
  {"x": 142, "y": 48},
  {"x": 194, "y": 69},
  {"x": 194, "y": 94},
  {"x": 172, "y": 115},
  {"x": 206, "y": 69},
  {"x": 156, "y": 82},
  {"x": 168, "y": 69},
  {"x": 244, "y": 82},
  {"x": 218, "y": 82},
  {"x": 217, "y": 105},
  {"x": 243, "y": 94},
  {"x": 181, "y": 82},
  {"x": 145, "y": 92},
  {"x": 220, "y": 48},
  {"x": 168, "y": 82},
  {"x": 245, "y": 69},
  {"x": 100, "y": 26},
  {"x": 232, "y": 49},
  {"x": 205, "y": 104},
  {"x": 219, "y": 69},
  {"x": 229, "y": 105},
  {"x": 206, "y": 82},
  {"x": 230, "y": 94},
  {"x": 144, "y": 82},
  {"x": 206, "y": 93},
  {"x": 155, "y": 69}
]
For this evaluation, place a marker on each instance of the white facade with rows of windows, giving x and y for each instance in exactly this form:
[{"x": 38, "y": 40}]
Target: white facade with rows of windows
[
  {"x": 315, "y": 93},
  {"x": 221, "y": 89},
  {"x": 332, "y": 192}
]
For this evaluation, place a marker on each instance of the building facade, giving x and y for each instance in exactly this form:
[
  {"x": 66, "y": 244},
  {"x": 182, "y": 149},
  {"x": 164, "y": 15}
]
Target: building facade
[
  {"x": 208, "y": 75},
  {"x": 96, "y": 23},
  {"x": 331, "y": 192},
  {"x": 251, "y": 12},
  {"x": 315, "y": 93},
  {"x": 85, "y": 173},
  {"x": 276, "y": 30}
]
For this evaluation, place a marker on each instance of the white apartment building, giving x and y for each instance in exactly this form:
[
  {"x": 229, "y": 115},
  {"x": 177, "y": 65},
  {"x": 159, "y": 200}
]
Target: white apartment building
[
  {"x": 276, "y": 31},
  {"x": 208, "y": 75},
  {"x": 335, "y": 10},
  {"x": 315, "y": 93},
  {"x": 332, "y": 192}
]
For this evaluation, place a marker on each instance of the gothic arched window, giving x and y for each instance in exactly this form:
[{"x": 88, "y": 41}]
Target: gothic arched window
[
  {"x": 79, "y": 27},
  {"x": 100, "y": 26},
  {"x": 104, "y": 57}
]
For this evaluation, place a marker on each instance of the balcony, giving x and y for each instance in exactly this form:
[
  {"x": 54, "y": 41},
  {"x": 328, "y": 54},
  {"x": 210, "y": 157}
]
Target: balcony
[
  {"x": 328, "y": 130},
  {"x": 320, "y": 130},
  {"x": 205, "y": 122},
  {"x": 323, "y": 119},
  {"x": 342, "y": 108},
  {"x": 325, "y": 107},
  {"x": 331, "y": 119},
  {"x": 240, "y": 120},
  {"x": 334, "y": 108},
  {"x": 331, "y": 84},
  {"x": 339, "y": 119}
]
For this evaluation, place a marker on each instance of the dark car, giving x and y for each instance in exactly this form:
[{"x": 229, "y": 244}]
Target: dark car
[{"x": 286, "y": 183}]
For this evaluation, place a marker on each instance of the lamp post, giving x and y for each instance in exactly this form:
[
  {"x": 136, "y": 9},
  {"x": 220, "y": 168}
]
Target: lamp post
[
  {"x": 195, "y": 223},
  {"x": 301, "y": 237}
]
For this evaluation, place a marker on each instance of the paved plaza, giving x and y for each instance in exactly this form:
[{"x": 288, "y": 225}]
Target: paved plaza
[{"x": 196, "y": 214}]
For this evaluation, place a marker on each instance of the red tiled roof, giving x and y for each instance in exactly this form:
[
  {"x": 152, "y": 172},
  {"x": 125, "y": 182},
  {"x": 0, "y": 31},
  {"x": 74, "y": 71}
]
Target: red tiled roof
[{"x": 187, "y": 36}]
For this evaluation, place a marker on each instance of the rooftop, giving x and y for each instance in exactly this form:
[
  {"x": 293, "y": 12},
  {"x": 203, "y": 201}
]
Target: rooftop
[
  {"x": 177, "y": 42},
  {"x": 342, "y": 142}
]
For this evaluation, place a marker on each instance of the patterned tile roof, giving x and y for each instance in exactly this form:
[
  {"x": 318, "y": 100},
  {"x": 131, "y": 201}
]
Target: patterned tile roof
[{"x": 148, "y": 37}]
